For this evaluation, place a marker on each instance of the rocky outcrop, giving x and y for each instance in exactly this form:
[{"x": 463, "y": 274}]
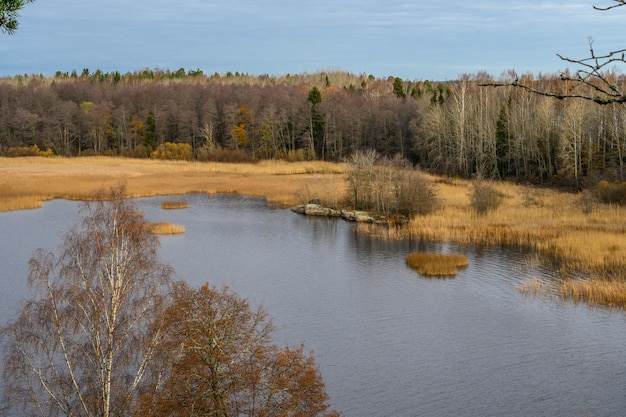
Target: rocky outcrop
[{"x": 312, "y": 209}]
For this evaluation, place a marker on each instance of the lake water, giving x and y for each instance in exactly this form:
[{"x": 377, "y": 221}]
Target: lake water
[{"x": 388, "y": 342}]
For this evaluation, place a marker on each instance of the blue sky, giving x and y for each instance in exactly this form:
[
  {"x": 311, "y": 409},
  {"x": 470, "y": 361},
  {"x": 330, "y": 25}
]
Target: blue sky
[{"x": 418, "y": 40}]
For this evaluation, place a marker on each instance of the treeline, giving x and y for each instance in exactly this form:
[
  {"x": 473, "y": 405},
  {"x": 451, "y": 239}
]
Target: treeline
[{"x": 454, "y": 128}]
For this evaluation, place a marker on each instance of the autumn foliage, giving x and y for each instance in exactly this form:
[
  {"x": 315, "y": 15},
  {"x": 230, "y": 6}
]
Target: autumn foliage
[{"x": 219, "y": 360}]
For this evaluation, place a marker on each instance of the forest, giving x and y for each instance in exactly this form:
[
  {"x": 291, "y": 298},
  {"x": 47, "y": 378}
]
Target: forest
[{"x": 456, "y": 128}]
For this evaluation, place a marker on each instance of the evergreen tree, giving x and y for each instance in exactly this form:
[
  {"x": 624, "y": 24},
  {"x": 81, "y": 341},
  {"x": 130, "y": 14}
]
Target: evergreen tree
[
  {"x": 149, "y": 135},
  {"x": 398, "y": 88},
  {"x": 9, "y": 12}
]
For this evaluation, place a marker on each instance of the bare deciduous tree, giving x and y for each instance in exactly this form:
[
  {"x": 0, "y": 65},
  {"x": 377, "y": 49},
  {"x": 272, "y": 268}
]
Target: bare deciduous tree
[{"x": 84, "y": 341}]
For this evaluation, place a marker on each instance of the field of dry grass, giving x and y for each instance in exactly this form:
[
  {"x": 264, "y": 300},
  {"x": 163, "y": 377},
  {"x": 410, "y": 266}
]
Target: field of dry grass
[{"x": 27, "y": 182}]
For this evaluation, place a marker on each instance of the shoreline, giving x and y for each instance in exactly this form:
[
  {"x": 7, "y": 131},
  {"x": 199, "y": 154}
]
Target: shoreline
[{"x": 549, "y": 223}]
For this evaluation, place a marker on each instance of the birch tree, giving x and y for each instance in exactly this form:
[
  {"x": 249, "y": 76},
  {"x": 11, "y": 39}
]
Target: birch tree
[{"x": 81, "y": 345}]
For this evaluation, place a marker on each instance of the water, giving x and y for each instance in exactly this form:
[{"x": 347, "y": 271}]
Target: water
[{"x": 388, "y": 342}]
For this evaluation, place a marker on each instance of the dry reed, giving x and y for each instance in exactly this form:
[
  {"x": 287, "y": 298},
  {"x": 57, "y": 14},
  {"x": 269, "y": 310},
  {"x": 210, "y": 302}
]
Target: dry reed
[
  {"x": 164, "y": 228},
  {"x": 32, "y": 180},
  {"x": 430, "y": 264},
  {"x": 592, "y": 291},
  {"x": 173, "y": 205},
  {"x": 553, "y": 226},
  {"x": 549, "y": 223}
]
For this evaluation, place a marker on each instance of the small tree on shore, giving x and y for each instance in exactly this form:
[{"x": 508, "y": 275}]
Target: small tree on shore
[
  {"x": 391, "y": 187},
  {"x": 484, "y": 197}
]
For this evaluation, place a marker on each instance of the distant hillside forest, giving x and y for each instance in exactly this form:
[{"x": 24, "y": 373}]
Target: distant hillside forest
[{"x": 455, "y": 128}]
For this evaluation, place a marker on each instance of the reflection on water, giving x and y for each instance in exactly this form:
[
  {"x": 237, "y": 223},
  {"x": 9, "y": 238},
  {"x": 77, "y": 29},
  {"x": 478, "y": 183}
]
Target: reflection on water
[{"x": 388, "y": 342}]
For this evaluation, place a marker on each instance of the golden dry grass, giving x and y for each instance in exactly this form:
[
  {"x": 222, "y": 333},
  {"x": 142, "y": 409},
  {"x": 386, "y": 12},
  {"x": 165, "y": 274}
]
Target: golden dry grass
[
  {"x": 164, "y": 228},
  {"x": 548, "y": 222},
  {"x": 26, "y": 182},
  {"x": 595, "y": 292},
  {"x": 173, "y": 205},
  {"x": 431, "y": 264}
]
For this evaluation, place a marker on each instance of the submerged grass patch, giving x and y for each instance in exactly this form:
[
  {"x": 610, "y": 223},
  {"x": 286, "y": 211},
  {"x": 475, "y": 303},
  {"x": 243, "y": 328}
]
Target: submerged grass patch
[
  {"x": 431, "y": 264},
  {"x": 164, "y": 228},
  {"x": 172, "y": 205}
]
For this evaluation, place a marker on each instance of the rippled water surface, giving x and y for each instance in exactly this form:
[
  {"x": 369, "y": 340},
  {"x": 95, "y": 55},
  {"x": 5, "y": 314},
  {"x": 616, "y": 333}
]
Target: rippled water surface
[{"x": 388, "y": 342}]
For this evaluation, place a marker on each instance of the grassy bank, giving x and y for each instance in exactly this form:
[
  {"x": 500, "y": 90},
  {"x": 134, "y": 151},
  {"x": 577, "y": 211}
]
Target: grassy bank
[
  {"x": 27, "y": 182},
  {"x": 551, "y": 224}
]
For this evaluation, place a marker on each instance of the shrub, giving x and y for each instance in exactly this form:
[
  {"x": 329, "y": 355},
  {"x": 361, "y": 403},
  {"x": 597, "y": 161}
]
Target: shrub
[
  {"x": 299, "y": 155},
  {"x": 173, "y": 151},
  {"x": 391, "y": 187},
  {"x": 611, "y": 193},
  {"x": 484, "y": 197},
  {"x": 33, "y": 150}
]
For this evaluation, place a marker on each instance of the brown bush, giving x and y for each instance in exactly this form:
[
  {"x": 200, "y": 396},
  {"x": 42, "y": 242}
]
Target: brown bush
[
  {"x": 611, "y": 193},
  {"x": 173, "y": 151}
]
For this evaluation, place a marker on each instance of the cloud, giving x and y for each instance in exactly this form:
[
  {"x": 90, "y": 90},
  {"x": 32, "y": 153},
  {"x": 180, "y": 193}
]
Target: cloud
[{"x": 426, "y": 39}]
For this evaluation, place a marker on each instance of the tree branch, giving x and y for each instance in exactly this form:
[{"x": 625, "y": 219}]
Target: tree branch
[
  {"x": 619, "y": 4},
  {"x": 595, "y": 74}
]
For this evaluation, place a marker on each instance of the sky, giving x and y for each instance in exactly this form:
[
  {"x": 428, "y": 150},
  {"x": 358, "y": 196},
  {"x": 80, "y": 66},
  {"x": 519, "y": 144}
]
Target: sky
[{"x": 415, "y": 40}]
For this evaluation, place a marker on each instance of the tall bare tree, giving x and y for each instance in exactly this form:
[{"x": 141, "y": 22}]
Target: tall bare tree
[{"x": 81, "y": 345}]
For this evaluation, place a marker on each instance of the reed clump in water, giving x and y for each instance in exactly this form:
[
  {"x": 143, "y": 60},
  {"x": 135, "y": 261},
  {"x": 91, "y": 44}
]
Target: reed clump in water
[
  {"x": 173, "y": 205},
  {"x": 164, "y": 228},
  {"x": 599, "y": 292},
  {"x": 595, "y": 292},
  {"x": 431, "y": 264}
]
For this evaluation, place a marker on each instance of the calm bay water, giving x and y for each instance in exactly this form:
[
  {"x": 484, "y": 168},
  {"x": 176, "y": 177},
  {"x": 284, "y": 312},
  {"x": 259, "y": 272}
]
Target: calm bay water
[{"x": 388, "y": 342}]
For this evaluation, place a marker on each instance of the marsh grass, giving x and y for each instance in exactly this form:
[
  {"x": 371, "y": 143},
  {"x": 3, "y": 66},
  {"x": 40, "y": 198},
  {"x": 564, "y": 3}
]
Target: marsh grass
[
  {"x": 22, "y": 202},
  {"x": 431, "y": 264},
  {"x": 552, "y": 226},
  {"x": 26, "y": 182},
  {"x": 548, "y": 223},
  {"x": 173, "y": 205},
  {"x": 597, "y": 292},
  {"x": 164, "y": 228}
]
